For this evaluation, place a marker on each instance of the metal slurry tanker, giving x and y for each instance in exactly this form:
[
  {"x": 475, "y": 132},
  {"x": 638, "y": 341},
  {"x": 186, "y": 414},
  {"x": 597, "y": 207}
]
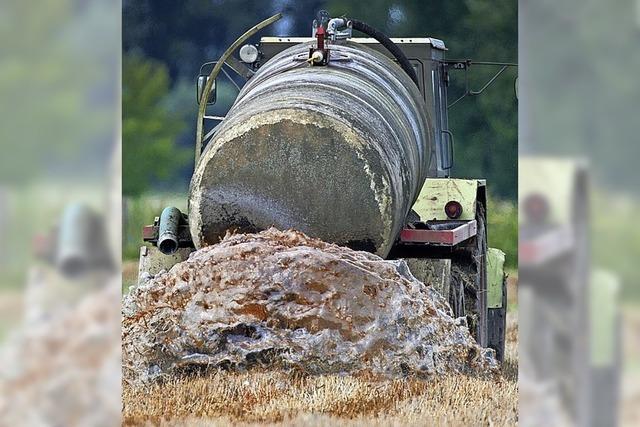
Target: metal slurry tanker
[{"x": 347, "y": 140}]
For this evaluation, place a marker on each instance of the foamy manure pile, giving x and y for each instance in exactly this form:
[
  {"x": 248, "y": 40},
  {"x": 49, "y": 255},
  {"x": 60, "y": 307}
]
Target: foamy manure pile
[{"x": 282, "y": 299}]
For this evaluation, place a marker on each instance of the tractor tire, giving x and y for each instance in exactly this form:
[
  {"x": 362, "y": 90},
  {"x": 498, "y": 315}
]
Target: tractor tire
[
  {"x": 469, "y": 273},
  {"x": 497, "y": 324}
]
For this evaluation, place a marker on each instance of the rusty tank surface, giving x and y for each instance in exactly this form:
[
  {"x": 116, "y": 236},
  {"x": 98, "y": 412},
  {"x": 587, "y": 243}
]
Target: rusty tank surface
[{"x": 360, "y": 121}]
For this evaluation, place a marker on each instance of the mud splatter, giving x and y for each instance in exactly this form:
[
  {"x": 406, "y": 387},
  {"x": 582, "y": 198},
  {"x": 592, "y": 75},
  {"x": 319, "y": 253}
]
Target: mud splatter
[{"x": 282, "y": 299}]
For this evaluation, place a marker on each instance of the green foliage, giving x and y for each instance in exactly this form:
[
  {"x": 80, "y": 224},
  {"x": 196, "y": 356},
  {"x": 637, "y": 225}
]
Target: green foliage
[
  {"x": 487, "y": 125},
  {"x": 58, "y": 87},
  {"x": 183, "y": 35},
  {"x": 502, "y": 229},
  {"x": 149, "y": 129}
]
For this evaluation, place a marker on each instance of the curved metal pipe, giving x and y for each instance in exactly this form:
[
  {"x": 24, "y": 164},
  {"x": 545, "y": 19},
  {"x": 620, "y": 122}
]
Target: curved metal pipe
[
  {"x": 389, "y": 45},
  {"x": 216, "y": 70}
]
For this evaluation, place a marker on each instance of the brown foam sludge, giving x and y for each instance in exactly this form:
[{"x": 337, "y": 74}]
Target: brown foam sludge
[{"x": 282, "y": 299}]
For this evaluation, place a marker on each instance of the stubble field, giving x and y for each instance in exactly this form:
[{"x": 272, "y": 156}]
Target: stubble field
[{"x": 280, "y": 398}]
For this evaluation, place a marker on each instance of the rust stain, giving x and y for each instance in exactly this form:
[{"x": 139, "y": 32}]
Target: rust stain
[{"x": 258, "y": 311}]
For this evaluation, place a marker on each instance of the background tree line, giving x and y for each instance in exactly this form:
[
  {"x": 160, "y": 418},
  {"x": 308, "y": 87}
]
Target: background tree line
[{"x": 165, "y": 42}]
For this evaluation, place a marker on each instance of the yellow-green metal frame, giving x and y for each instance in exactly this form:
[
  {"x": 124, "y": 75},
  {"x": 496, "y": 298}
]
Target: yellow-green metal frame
[
  {"x": 495, "y": 277},
  {"x": 436, "y": 192}
]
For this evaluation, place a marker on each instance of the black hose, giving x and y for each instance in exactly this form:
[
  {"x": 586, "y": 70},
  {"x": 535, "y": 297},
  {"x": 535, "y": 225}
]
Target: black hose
[{"x": 389, "y": 45}]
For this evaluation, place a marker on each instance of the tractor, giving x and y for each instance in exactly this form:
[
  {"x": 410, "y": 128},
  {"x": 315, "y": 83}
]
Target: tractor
[{"x": 345, "y": 139}]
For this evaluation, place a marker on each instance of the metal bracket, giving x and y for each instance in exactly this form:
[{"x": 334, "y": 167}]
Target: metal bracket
[
  {"x": 457, "y": 64},
  {"x": 239, "y": 67},
  {"x": 464, "y": 65},
  {"x": 223, "y": 71},
  {"x": 439, "y": 235},
  {"x": 339, "y": 29},
  {"x": 333, "y": 57},
  {"x": 150, "y": 234}
]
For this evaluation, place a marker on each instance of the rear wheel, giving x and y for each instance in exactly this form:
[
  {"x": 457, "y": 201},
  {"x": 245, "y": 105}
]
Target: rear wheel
[{"x": 469, "y": 275}]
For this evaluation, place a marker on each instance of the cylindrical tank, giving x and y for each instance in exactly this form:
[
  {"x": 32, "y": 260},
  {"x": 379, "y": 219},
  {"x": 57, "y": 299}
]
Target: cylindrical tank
[{"x": 338, "y": 152}]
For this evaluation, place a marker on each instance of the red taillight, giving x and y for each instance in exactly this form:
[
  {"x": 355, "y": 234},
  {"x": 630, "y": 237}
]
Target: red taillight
[
  {"x": 453, "y": 209},
  {"x": 536, "y": 208}
]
